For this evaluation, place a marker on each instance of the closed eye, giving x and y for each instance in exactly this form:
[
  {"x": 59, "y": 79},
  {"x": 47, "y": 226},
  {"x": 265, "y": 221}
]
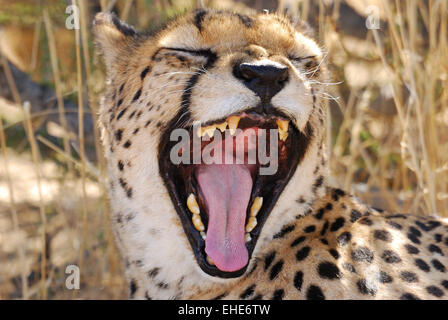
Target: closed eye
[
  {"x": 301, "y": 59},
  {"x": 203, "y": 52}
]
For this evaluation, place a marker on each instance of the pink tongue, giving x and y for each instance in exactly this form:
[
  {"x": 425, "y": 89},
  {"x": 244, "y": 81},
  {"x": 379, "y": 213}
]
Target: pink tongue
[{"x": 226, "y": 189}]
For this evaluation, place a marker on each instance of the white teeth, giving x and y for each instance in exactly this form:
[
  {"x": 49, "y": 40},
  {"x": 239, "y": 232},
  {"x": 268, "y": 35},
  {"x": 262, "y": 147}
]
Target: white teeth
[
  {"x": 256, "y": 206},
  {"x": 210, "y": 261},
  {"x": 283, "y": 126},
  {"x": 222, "y": 126},
  {"x": 247, "y": 237},
  {"x": 210, "y": 130},
  {"x": 203, "y": 235},
  {"x": 192, "y": 204},
  {"x": 251, "y": 224},
  {"x": 197, "y": 222},
  {"x": 233, "y": 123}
]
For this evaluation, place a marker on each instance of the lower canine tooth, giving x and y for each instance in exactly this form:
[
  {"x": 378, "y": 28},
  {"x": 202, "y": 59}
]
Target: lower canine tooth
[
  {"x": 256, "y": 206},
  {"x": 251, "y": 224},
  {"x": 192, "y": 204},
  {"x": 283, "y": 126},
  {"x": 197, "y": 222},
  {"x": 247, "y": 237},
  {"x": 210, "y": 261},
  {"x": 203, "y": 235}
]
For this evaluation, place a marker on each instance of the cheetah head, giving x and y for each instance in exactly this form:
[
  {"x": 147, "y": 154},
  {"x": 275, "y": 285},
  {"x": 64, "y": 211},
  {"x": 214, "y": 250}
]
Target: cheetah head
[{"x": 224, "y": 81}]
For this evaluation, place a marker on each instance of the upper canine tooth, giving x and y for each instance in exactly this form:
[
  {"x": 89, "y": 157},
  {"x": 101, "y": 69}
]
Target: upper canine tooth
[
  {"x": 197, "y": 222},
  {"x": 256, "y": 206},
  {"x": 222, "y": 126},
  {"x": 283, "y": 125},
  {"x": 233, "y": 123},
  {"x": 192, "y": 204},
  {"x": 251, "y": 224}
]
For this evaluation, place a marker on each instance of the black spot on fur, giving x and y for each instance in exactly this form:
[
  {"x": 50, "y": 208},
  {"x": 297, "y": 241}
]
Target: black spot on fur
[
  {"x": 320, "y": 213},
  {"x": 334, "y": 253},
  {"x": 408, "y": 276},
  {"x": 133, "y": 288},
  {"x": 298, "y": 241},
  {"x": 422, "y": 265},
  {"x": 390, "y": 256},
  {"x": 435, "y": 249},
  {"x": 366, "y": 287},
  {"x": 285, "y": 230},
  {"x": 438, "y": 265},
  {"x": 137, "y": 95},
  {"x": 248, "y": 292},
  {"x": 153, "y": 272},
  {"x": 337, "y": 193},
  {"x": 394, "y": 225},
  {"x": 120, "y": 90},
  {"x": 409, "y": 296},
  {"x": 303, "y": 253},
  {"x": 310, "y": 229},
  {"x": 324, "y": 241},
  {"x": 344, "y": 238},
  {"x": 445, "y": 284},
  {"x": 278, "y": 294},
  {"x": 415, "y": 232},
  {"x": 337, "y": 224},
  {"x": 145, "y": 72},
  {"x": 324, "y": 228},
  {"x": 120, "y": 165},
  {"x": 402, "y": 216},
  {"x": 127, "y": 144},
  {"x": 383, "y": 277},
  {"x": 411, "y": 249},
  {"x": 199, "y": 18},
  {"x": 438, "y": 237},
  {"x": 355, "y": 215},
  {"x": 118, "y": 135},
  {"x": 314, "y": 293},
  {"x": 298, "y": 280},
  {"x": 220, "y": 296},
  {"x": 382, "y": 235},
  {"x": 119, "y": 103},
  {"x": 329, "y": 270},
  {"x": 413, "y": 238},
  {"x": 245, "y": 20},
  {"x": 362, "y": 254},
  {"x": 435, "y": 291},
  {"x": 349, "y": 267},
  {"x": 318, "y": 183},
  {"x": 366, "y": 221},
  {"x": 268, "y": 260},
  {"x": 276, "y": 269},
  {"x": 122, "y": 112},
  {"x": 430, "y": 225}
]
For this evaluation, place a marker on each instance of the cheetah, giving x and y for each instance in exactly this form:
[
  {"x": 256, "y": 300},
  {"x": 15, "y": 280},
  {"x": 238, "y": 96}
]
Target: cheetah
[{"x": 208, "y": 230}]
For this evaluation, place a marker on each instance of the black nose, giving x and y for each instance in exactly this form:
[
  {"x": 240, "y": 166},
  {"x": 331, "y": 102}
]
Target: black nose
[{"x": 265, "y": 80}]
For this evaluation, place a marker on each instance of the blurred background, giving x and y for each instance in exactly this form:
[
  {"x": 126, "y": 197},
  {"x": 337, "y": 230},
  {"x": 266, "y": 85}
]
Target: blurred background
[{"x": 387, "y": 124}]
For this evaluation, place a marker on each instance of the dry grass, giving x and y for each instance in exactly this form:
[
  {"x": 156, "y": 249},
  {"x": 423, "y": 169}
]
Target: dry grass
[{"x": 388, "y": 140}]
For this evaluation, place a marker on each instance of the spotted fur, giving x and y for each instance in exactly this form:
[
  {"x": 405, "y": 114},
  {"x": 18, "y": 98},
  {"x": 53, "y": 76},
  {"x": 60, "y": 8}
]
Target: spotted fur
[{"x": 317, "y": 243}]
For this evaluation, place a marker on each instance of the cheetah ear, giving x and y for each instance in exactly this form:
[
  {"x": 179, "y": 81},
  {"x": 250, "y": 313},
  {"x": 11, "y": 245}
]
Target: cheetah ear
[{"x": 113, "y": 38}]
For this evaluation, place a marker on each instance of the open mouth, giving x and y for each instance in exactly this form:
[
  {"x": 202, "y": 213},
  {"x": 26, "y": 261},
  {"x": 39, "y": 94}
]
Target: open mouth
[{"x": 224, "y": 203}]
